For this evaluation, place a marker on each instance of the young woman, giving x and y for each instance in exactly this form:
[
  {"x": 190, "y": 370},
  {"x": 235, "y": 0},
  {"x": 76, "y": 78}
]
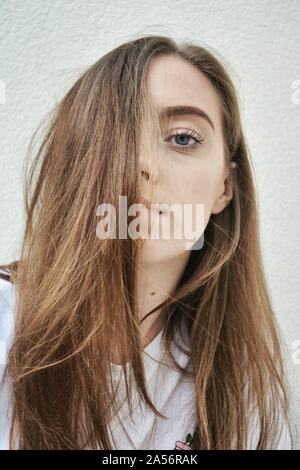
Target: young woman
[{"x": 134, "y": 342}]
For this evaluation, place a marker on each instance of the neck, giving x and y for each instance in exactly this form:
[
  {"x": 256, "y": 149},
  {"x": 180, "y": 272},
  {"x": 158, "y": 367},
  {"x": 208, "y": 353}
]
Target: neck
[{"x": 155, "y": 282}]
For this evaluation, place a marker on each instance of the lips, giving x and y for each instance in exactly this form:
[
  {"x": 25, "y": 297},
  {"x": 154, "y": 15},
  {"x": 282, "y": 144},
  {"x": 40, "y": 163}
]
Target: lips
[{"x": 148, "y": 205}]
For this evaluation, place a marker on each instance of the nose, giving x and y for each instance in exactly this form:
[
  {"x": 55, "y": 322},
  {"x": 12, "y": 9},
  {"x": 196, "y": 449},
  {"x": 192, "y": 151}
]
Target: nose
[
  {"x": 149, "y": 172},
  {"x": 149, "y": 169},
  {"x": 145, "y": 174},
  {"x": 147, "y": 183},
  {"x": 149, "y": 175}
]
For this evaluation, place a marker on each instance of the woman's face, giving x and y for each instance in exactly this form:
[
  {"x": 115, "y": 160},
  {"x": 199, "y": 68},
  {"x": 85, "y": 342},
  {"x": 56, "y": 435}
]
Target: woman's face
[{"x": 187, "y": 172}]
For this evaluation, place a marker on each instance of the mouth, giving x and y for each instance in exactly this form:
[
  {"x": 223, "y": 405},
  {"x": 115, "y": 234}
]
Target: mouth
[{"x": 148, "y": 205}]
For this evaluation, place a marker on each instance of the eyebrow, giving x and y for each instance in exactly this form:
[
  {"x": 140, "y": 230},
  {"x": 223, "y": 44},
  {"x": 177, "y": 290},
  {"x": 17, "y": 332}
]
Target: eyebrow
[{"x": 170, "y": 111}]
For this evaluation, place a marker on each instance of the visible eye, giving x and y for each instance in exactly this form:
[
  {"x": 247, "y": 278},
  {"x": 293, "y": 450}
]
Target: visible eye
[{"x": 183, "y": 137}]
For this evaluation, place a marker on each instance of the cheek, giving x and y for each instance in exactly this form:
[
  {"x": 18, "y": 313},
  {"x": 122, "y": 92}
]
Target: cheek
[
  {"x": 200, "y": 189},
  {"x": 191, "y": 190}
]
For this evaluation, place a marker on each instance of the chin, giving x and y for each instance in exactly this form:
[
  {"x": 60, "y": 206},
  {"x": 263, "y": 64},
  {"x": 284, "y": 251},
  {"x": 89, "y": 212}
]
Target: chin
[{"x": 155, "y": 251}]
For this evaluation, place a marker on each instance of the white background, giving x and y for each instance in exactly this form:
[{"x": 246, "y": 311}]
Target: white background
[{"x": 45, "y": 44}]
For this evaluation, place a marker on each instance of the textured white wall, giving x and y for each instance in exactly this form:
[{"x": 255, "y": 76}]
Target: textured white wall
[{"x": 44, "y": 44}]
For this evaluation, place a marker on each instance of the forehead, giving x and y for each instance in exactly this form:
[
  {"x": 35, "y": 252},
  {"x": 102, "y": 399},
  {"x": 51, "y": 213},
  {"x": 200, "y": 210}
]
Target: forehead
[{"x": 173, "y": 81}]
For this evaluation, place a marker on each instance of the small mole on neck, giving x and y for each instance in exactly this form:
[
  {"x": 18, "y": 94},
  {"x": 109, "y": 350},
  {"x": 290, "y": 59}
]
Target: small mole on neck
[{"x": 152, "y": 293}]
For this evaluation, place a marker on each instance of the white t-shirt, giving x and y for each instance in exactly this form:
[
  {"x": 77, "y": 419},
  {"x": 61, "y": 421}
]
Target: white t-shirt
[{"x": 172, "y": 394}]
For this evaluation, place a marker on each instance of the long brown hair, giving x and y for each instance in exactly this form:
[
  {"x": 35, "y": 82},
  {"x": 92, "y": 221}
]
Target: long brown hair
[{"x": 75, "y": 292}]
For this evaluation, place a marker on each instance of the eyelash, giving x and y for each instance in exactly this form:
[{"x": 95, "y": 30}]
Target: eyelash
[{"x": 186, "y": 148}]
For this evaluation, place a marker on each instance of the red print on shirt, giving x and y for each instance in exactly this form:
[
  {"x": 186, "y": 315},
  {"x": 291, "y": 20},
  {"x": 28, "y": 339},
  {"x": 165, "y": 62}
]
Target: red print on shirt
[{"x": 187, "y": 445}]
